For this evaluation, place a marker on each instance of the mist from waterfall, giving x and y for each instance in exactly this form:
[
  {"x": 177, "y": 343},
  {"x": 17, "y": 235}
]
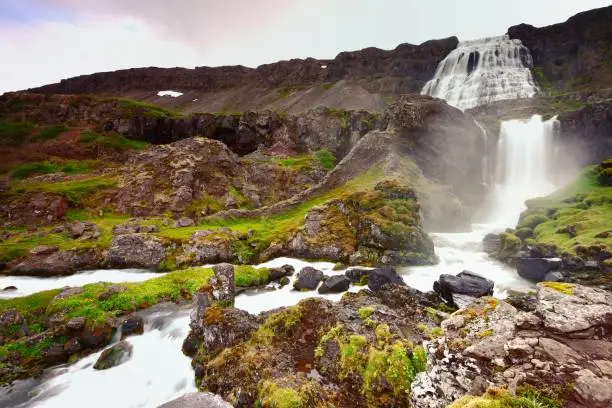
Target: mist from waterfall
[
  {"x": 482, "y": 71},
  {"x": 524, "y": 159}
]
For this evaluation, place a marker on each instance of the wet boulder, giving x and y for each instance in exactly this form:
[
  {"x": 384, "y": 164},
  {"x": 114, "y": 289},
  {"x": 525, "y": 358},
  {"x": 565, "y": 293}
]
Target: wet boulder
[
  {"x": 335, "y": 284},
  {"x": 535, "y": 269},
  {"x": 131, "y": 326},
  {"x": 377, "y": 278},
  {"x": 197, "y": 400},
  {"x": 308, "y": 279},
  {"x": 114, "y": 356},
  {"x": 357, "y": 275},
  {"x": 276, "y": 274},
  {"x": 463, "y": 287}
]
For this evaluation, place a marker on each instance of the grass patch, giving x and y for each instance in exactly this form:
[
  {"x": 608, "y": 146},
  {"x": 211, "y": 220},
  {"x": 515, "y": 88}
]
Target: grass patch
[
  {"x": 278, "y": 226},
  {"x": 501, "y": 398},
  {"x": 295, "y": 162},
  {"x": 130, "y": 107},
  {"x": 14, "y": 133},
  {"x": 112, "y": 139},
  {"x": 45, "y": 167},
  {"x": 585, "y": 205},
  {"x": 75, "y": 191},
  {"x": 49, "y": 132},
  {"x": 326, "y": 159},
  {"x": 248, "y": 276}
]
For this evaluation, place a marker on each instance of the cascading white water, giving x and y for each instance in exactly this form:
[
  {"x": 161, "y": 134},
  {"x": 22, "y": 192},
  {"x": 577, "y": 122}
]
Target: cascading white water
[
  {"x": 482, "y": 71},
  {"x": 524, "y": 153}
]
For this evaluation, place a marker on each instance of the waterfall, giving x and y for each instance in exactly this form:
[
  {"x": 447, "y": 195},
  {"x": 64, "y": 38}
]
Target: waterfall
[
  {"x": 524, "y": 158},
  {"x": 483, "y": 71}
]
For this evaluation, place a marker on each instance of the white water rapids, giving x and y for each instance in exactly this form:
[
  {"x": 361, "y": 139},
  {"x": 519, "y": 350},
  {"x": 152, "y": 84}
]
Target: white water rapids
[
  {"x": 482, "y": 71},
  {"x": 159, "y": 372}
]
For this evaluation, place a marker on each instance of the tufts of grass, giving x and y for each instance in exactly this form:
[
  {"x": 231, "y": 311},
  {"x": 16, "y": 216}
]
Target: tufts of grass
[
  {"x": 68, "y": 167},
  {"x": 112, "y": 139},
  {"x": 326, "y": 159},
  {"x": 14, "y": 133},
  {"x": 49, "y": 132}
]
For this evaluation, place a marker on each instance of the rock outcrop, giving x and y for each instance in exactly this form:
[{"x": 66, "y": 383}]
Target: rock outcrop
[
  {"x": 50, "y": 261},
  {"x": 571, "y": 55},
  {"x": 415, "y": 64},
  {"x": 381, "y": 227},
  {"x": 563, "y": 345},
  {"x": 114, "y": 356}
]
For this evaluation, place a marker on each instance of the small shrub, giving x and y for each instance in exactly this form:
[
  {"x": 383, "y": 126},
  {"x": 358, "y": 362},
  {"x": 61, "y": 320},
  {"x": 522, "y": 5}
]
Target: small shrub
[{"x": 326, "y": 159}]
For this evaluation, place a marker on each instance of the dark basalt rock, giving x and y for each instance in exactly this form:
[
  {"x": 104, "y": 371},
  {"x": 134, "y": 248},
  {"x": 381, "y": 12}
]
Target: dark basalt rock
[
  {"x": 535, "y": 269},
  {"x": 414, "y": 63},
  {"x": 114, "y": 356},
  {"x": 335, "y": 284},
  {"x": 380, "y": 277},
  {"x": 275, "y": 274},
  {"x": 466, "y": 283},
  {"x": 357, "y": 275},
  {"x": 308, "y": 279},
  {"x": 131, "y": 326}
]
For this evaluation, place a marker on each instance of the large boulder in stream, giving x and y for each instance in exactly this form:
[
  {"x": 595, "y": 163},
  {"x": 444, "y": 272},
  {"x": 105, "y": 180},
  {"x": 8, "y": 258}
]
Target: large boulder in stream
[
  {"x": 377, "y": 278},
  {"x": 463, "y": 288},
  {"x": 335, "y": 284},
  {"x": 536, "y": 269},
  {"x": 308, "y": 279},
  {"x": 114, "y": 356}
]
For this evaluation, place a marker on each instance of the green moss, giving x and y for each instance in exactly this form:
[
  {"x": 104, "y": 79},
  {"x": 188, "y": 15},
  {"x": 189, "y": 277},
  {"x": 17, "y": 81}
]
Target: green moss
[
  {"x": 501, "y": 398},
  {"x": 205, "y": 204},
  {"x": 531, "y": 221},
  {"x": 248, "y": 276},
  {"x": 365, "y": 312},
  {"x": 328, "y": 85},
  {"x": 112, "y": 139},
  {"x": 326, "y": 159},
  {"x": 273, "y": 396},
  {"x": 540, "y": 78},
  {"x": 352, "y": 355},
  {"x": 383, "y": 333},
  {"x": 296, "y": 162},
  {"x": 565, "y": 288},
  {"x": 432, "y": 333},
  {"x": 396, "y": 365},
  {"x": 341, "y": 114},
  {"x": 485, "y": 333},
  {"x": 278, "y": 323}
]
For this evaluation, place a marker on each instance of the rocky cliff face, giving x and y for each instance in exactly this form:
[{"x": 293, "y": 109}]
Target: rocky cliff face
[
  {"x": 574, "y": 55},
  {"x": 586, "y": 134},
  {"x": 416, "y": 63}
]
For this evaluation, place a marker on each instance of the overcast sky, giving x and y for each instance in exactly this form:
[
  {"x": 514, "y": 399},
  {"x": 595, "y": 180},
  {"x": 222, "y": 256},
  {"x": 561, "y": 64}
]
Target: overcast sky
[{"x": 43, "y": 41}]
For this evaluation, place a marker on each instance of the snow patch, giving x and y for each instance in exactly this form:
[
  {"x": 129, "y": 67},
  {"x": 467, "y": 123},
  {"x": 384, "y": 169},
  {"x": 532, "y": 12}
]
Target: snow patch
[
  {"x": 323, "y": 66},
  {"x": 174, "y": 94},
  {"x": 195, "y": 100}
]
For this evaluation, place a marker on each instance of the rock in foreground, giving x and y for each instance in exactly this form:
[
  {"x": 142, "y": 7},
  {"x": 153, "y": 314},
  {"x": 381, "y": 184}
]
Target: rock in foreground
[
  {"x": 562, "y": 346},
  {"x": 197, "y": 400}
]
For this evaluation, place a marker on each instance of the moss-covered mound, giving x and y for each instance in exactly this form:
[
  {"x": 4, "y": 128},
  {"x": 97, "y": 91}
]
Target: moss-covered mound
[{"x": 364, "y": 350}]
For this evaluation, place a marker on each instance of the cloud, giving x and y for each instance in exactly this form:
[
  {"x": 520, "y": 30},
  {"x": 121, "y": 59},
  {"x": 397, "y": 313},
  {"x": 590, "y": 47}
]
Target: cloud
[{"x": 43, "y": 41}]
